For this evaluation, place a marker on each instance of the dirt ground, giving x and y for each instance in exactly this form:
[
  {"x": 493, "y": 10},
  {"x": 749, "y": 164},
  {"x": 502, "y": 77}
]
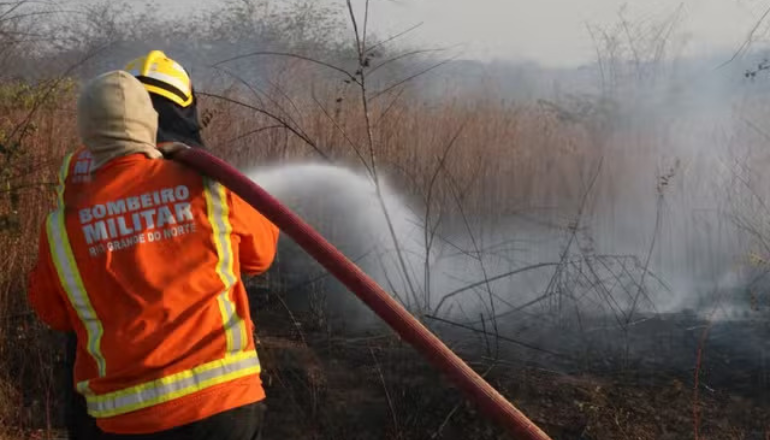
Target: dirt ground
[{"x": 322, "y": 386}]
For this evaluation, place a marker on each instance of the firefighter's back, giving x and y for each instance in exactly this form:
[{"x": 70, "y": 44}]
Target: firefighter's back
[
  {"x": 142, "y": 260},
  {"x": 158, "y": 259}
]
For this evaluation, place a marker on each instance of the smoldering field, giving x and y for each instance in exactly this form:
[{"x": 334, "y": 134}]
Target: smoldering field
[
  {"x": 610, "y": 245},
  {"x": 610, "y": 219},
  {"x": 583, "y": 236}
]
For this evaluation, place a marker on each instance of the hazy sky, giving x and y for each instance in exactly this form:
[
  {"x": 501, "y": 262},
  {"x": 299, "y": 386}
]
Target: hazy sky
[{"x": 553, "y": 32}]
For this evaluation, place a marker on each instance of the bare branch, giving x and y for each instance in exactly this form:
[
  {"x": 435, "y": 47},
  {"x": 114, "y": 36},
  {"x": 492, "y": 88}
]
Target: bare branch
[
  {"x": 354, "y": 22},
  {"x": 749, "y": 39},
  {"x": 295, "y": 131},
  {"x": 345, "y": 135},
  {"x": 366, "y": 25},
  {"x": 250, "y": 133},
  {"x": 394, "y": 37},
  {"x": 489, "y": 280},
  {"x": 402, "y": 56},
  {"x": 502, "y": 338},
  {"x": 289, "y": 55},
  {"x": 412, "y": 77}
]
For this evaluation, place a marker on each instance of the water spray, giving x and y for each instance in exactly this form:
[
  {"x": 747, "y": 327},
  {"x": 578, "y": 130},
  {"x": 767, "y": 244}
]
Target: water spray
[{"x": 378, "y": 300}]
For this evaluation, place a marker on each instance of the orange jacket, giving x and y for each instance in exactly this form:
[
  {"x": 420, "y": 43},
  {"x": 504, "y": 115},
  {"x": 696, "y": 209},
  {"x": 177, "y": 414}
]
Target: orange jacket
[{"x": 142, "y": 260}]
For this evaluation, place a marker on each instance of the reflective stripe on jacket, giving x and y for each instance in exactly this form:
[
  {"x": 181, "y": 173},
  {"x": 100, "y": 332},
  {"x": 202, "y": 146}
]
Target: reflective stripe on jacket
[{"x": 142, "y": 259}]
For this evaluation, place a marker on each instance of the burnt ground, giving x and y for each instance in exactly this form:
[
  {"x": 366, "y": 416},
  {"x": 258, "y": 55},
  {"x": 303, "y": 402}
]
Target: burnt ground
[
  {"x": 583, "y": 382},
  {"x": 585, "y": 385}
]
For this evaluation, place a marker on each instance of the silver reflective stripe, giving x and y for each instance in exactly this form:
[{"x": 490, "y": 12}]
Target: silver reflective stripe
[
  {"x": 219, "y": 217},
  {"x": 223, "y": 229},
  {"x": 171, "y": 80},
  {"x": 174, "y": 386},
  {"x": 63, "y": 173},
  {"x": 69, "y": 274},
  {"x": 231, "y": 323}
]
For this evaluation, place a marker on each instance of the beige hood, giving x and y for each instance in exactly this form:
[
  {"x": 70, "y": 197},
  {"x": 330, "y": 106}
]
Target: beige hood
[{"x": 116, "y": 118}]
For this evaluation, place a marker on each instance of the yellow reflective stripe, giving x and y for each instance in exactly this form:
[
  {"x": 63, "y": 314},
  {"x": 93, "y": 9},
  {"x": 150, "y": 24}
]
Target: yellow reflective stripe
[
  {"x": 170, "y": 95},
  {"x": 219, "y": 218},
  {"x": 174, "y": 386},
  {"x": 69, "y": 275},
  {"x": 63, "y": 173}
]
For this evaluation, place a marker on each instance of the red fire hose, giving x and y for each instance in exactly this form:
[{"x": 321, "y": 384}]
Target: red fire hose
[{"x": 398, "y": 318}]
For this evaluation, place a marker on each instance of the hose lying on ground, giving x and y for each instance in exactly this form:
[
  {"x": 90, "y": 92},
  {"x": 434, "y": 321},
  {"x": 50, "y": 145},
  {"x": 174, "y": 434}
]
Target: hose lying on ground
[{"x": 387, "y": 308}]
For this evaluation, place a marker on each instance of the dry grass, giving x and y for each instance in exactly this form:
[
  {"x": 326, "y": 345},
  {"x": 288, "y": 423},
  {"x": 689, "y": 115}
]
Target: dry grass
[
  {"x": 501, "y": 154},
  {"x": 481, "y": 159},
  {"x": 34, "y": 133},
  {"x": 470, "y": 163}
]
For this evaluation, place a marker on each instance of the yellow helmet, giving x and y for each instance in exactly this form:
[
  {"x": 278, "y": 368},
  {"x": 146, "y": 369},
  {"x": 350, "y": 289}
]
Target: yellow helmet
[{"x": 163, "y": 76}]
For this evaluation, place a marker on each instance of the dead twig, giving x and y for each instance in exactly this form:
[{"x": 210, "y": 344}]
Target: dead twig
[
  {"x": 296, "y": 131},
  {"x": 249, "y": 133},
  {"x": 696, "y": 381},
  {"x": 748, "y": 40},
  {"x": 385, "y": 388},
  {"x": 478, "y": 256},
  {"x": 413, "y": 77},
  {"x": 394, "y": 37},
  {"x": 363, "y": 64},
  {"x": 489, "y": 280},
  {"x": 443, "y": 425},
  {"x": 294, "y": 321},
  {"x": 500, "y": 337},
  {"x": 289, "y": 55},
  {"x": 429, "y": 233}
]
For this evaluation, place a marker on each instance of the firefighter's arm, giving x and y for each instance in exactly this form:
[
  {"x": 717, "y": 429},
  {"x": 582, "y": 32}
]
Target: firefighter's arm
[
  {"x": 44, "y": 290},
  {"x": 258, "y": 236}
]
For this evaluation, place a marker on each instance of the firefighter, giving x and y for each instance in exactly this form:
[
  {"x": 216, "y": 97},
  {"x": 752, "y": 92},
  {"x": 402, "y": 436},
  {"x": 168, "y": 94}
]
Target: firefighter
[
  {"x": 174, "y": 99},
  {"x": 143, "y": 263}
]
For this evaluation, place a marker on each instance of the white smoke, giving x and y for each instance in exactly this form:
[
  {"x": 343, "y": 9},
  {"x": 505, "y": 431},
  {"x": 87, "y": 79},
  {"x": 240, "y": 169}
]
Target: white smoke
[
  {"x": 654, "y": 248},
  {"x": 343, "y": 206}
]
